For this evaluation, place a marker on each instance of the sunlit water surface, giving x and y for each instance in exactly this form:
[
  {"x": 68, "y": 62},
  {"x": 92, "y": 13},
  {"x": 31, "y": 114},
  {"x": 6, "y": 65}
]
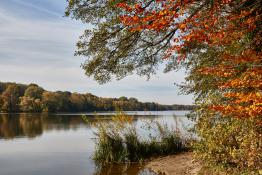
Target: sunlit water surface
[{"x": 63, "y": 144}]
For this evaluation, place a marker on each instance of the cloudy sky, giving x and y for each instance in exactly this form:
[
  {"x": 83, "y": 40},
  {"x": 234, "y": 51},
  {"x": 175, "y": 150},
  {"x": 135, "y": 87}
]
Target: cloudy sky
[{"x": 37, "y": 45}]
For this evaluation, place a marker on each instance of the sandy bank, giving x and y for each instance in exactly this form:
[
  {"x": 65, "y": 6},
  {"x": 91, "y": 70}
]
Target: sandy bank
[{"x": 181, "y": 164}]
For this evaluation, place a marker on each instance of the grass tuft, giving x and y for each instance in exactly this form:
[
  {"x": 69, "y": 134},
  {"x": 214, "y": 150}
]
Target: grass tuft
[{"x": 118, "y": 141}]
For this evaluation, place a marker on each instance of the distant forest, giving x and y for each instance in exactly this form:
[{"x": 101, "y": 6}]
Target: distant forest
[{"x": 32, "y": 98}]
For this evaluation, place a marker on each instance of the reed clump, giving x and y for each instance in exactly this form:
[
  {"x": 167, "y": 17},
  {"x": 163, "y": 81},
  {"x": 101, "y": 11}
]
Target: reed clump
[{"x": 119, "y": 142}]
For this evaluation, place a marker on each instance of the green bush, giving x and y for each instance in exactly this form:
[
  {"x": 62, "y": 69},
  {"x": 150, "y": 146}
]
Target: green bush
[{"x": 229, "y": 144}]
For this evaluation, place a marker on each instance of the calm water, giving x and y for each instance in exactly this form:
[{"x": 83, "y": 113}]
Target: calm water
[{"x": 63, "y": 144}]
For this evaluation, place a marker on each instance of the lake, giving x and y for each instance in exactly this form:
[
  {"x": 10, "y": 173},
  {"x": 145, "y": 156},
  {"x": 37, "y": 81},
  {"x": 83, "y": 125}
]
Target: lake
[{"x": 63, "y": 144}]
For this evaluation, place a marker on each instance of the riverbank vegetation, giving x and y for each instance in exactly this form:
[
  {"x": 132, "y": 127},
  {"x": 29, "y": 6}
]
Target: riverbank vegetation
[
  {"x": 217, "y": 42},
  {"x": 118, "y": 141},
  {"x": 32, "y": 98}
]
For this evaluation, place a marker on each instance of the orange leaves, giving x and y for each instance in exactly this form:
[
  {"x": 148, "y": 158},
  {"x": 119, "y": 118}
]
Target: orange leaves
[
  {"x": 246, "y": 56},
  {"x": 182, "y": 26},
  {"x": 221, "y": 70},
  {"x": 242, "y": 77},
  {"x": 203, "y": 26},
  {"x": 124, "y": 6},
  {"x": 138, "y": 18},
  {"x": 245, "y": 98},
  {"x": 218, "y": 25},
  {"x": 239, "y": 111},
  {"x": 138, "y": 8},
  {"x": 246, "y": 81},
  {"x": 241, "y": 105}
]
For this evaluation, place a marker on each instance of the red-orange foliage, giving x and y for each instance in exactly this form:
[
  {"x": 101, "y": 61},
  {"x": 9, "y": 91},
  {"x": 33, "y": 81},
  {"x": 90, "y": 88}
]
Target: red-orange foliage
[{"x": 219, "y": 24}]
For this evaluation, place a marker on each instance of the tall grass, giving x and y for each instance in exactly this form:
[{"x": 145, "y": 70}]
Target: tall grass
[{"x": 119, "y": 142}]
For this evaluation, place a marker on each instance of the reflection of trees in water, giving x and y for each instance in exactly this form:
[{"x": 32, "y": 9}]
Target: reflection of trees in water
[
  {"x": 9, "y": 127},
  {"x": 127, "y": 169},
  {"x": 33, "y": 125},
  {"x": 30, "y": 126}
]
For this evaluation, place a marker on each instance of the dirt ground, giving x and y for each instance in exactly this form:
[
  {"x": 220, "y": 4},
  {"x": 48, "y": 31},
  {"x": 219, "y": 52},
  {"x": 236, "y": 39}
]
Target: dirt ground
[{"x": 181, "y": 164}]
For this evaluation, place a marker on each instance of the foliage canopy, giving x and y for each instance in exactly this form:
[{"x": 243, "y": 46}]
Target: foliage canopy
[{"x": 219, "y": 43}]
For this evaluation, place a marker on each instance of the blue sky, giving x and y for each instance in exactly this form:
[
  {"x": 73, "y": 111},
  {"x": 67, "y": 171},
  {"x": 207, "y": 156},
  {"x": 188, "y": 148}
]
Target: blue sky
[{"x": 37, "y": 46}]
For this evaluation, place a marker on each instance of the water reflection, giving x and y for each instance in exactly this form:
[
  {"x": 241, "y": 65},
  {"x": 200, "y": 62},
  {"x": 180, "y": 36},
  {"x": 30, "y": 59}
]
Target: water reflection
[
  {"x": 33, "y": 125},
  {"x": 124, "y": 169},
  {"x": 62, "y": 144}
]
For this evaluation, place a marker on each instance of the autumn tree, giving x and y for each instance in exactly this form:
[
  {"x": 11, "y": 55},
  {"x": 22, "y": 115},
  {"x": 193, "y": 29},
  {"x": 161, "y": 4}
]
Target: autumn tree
[
  {"x": 34, "y": 91},
  {"x": 32, "y": 98},
  {"x": 145, "y": 32},
  {"x": 133, "y": 36},
  {"x": 10, "y": 98},
  {"x": 112, "y": 50},
  {"x": 219, "y": 42},
  {"x": 28, "y": 104},
  {"x": 140, "y": 34},
  {"x": 221, "y": 47},
  {"x": 78, "y": 102},
  {"x": 49, "y": 100},
  {"x": 63, "y": 101},
  {"x": 1, "y": 102},
  {"x": 31, "y": 101}
]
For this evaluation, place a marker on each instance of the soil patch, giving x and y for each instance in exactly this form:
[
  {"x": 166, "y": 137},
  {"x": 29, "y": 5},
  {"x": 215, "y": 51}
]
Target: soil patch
[{"x": 180, "y": 164}]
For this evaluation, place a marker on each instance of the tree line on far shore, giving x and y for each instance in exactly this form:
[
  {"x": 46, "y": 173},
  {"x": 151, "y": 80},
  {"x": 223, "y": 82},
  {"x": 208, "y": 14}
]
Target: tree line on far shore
[{"x": 32, "y": 98}]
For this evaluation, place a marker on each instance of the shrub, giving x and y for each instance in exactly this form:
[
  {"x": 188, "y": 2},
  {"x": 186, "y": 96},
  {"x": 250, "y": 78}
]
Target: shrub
[
  {"x": 119, "y": 142},
  {"x": 229, "y": 144}
]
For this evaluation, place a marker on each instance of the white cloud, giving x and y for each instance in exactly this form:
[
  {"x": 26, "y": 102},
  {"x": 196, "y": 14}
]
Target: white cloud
[
  {"x": 41, "y": 51},
  {"x": 38, "y": 8}
]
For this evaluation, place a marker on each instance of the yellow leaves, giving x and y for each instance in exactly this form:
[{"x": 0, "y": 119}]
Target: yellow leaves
[
  {"x": 238, "y": 111},
  {"x": 244, "y": 83},
  {"x": 163, "y": 12},
  {"x": 182, "y": 26}
]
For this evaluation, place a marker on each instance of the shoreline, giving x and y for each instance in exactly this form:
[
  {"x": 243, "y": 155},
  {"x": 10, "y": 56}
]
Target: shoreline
[{"x": 182, "y": 163}]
